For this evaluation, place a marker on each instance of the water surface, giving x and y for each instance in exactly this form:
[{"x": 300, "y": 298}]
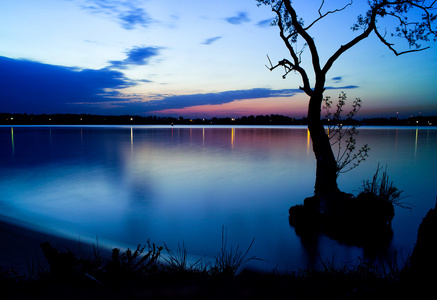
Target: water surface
[{"x": 184, "y": 184}]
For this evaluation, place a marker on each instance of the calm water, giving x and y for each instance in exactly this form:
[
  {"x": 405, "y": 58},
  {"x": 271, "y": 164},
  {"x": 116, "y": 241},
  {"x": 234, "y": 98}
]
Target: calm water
[{"x": 182, "y": 185}]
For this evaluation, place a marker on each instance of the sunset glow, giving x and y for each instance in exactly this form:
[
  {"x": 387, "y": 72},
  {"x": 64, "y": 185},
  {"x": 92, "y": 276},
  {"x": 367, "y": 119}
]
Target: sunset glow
[{"x": 194, "y": 58}]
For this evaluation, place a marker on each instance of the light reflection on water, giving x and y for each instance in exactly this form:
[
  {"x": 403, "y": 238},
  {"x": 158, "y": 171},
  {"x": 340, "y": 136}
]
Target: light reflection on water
[{"x": 181, "y": 184}]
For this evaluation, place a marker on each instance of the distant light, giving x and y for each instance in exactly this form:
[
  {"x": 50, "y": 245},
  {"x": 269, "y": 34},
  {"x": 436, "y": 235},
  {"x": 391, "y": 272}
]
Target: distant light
[
  {"x": 12, "y": 118},
  {"x": 131, "y": 119},
  {"x": 417, "y": 122},
  {"x": 232, "y": 119}
]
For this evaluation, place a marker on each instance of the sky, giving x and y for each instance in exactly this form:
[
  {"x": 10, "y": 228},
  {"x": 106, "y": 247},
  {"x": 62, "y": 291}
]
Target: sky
[{"x": 192, "y": 58}]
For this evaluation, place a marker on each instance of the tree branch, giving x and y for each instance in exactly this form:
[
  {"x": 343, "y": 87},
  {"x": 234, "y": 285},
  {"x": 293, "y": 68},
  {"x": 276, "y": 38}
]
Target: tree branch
[
  {"x": 357, "y": 39},
  {"x": 379, "y": 9},
  {"x": 346, "y": 47},
  {"x": 320, "y": 77},
  {"x": 292, "y": 29},
  {"x": 321, "y": 16},
  {"x": 390, "y": 46},
  {"x": 288, "y": 66}
]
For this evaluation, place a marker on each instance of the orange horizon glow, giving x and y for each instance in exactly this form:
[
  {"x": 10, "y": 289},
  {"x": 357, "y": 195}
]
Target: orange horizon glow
[{"x": 287, "y": 106}]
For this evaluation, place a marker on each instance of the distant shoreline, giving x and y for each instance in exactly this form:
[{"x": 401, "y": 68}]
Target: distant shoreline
[{"x": 86, "y": 119}]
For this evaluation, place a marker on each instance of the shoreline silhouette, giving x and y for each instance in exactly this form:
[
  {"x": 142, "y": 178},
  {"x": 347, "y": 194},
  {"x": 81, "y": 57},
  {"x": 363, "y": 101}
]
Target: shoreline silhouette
[{"x": 87, "y": 119}]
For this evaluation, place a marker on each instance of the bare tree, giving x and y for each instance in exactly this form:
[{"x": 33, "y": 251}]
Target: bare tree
[{"x": 293, "y": 31}]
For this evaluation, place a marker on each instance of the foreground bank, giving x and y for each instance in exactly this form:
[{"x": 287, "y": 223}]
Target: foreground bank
[{"x": 91, "y": 273}]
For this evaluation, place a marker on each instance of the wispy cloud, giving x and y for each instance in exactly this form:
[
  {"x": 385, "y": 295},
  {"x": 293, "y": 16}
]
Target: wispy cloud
[
  {"x": 133, "y": 17},
  {"x": 265, "y": 23},
  {"x": 164, "y": 102},
  {"x": 337, "y": 79},
  {"x": 183, "y": 101},
  {"x": 240, "y": 18},
  {"x": 128, "y": 12},
  {"x": 211, "y": 40},
  {"x": 137, "y": 56},
  {"x": 169, "y": 102},
  {"x": 135, "y": 104},
  {"x": 346, "y": 87}
]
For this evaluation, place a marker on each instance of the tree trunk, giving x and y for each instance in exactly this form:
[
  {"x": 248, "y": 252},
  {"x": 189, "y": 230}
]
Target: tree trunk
[{"x": 326, "y": 170}]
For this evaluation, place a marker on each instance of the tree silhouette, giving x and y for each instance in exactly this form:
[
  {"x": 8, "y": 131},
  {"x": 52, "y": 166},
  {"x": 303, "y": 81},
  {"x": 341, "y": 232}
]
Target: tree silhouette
[{"x": 414, "y": 22}]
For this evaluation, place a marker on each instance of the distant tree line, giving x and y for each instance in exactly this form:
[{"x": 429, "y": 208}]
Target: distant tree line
[{"x": 87, "y": 119}]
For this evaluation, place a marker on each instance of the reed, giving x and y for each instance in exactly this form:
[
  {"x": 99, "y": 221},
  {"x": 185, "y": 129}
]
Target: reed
[
  {"x": 178, "y": 261},
  {"x": 384, "y": 189},
  {"x": 229, "y": 260}
]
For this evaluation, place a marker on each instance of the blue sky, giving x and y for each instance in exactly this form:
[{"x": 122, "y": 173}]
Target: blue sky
[{"x": 192, "y": 58}]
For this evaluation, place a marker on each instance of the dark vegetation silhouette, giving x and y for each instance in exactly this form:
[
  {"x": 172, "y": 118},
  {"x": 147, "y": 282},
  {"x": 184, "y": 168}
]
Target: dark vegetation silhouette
[
  {"x": 342, "y": 134},
  {"x": 364, "y": 220},
  {"x": 147, "y": 273},
  {"x": 273, "y": 119},
  {"x": 329, "y": 207},
  {"x": 415, "y": 21}
]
